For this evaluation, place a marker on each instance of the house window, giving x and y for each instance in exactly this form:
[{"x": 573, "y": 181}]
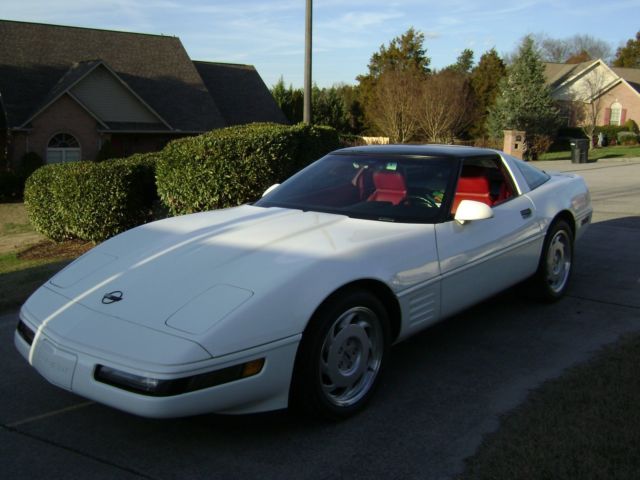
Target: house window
[
  {"x": 616, "y": 114},
  {"x": 63, "y": 147}
]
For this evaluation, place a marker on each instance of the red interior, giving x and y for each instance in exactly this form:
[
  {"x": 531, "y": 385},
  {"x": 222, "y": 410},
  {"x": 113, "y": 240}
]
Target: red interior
[
  {"x": 472, "y": 185},
  {"x": 389, "y": 187}
]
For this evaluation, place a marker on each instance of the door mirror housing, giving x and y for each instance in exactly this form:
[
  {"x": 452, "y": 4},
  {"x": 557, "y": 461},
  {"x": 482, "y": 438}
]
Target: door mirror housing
[{"x": 470, "y": 210}]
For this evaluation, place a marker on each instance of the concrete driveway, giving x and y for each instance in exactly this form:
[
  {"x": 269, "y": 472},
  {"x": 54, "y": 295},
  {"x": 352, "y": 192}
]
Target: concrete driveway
[{"x": 444, "y": 389}]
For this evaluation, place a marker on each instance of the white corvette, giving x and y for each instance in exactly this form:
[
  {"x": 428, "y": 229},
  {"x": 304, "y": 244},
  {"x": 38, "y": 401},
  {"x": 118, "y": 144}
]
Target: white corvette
[{"x": 295, "y": 300}]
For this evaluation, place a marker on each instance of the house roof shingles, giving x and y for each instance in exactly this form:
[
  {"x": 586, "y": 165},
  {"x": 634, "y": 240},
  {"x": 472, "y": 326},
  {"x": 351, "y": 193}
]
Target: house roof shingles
[
  {"x": 231, "y": 85},
  {"x": 34, "y": 58}
]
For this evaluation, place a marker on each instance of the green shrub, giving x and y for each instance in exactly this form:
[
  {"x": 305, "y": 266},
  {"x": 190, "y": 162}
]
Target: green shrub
[
  {"x": 231, "y": 166},
  {"x": 610, "y": 132},
  {"x": 627, "y": 138},
  {"x": 91, "y": 201},
  {"x": 631, "y": 126}
]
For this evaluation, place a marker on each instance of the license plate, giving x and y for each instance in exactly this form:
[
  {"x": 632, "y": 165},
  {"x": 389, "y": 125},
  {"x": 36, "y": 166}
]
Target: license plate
[{"x": 54, "y": 364}]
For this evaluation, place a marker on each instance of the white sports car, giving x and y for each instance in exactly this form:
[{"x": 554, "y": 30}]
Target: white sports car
[{"x": 295, "y": 299}]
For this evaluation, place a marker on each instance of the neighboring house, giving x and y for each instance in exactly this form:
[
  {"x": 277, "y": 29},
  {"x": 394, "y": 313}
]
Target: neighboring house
[
  {"x": 68, "y": 90},
  {"x": 592, "y": 90}
]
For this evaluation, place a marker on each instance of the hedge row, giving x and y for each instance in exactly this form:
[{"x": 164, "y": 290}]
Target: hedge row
[
  {"x": 235, "y": 165},
  {"x": 222, "y": 168},
  {"x": 91, "y": 201}
]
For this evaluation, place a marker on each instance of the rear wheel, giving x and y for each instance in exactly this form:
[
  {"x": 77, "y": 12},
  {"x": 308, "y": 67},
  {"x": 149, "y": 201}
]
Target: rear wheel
[
  {"x": 556, "y": 263},
  {"x": 341, "y": 355}
]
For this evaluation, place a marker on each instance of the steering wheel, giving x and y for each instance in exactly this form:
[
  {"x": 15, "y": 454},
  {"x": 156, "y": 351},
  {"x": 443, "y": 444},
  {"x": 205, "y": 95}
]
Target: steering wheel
[{"x": 422, "y": 200}]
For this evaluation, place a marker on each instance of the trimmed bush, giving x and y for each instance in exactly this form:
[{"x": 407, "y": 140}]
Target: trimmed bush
[
  {"x": 234, "y": 165},
  {"x": 91, "y": 201},
  {"x": 627, "y": 138},
  {"x": 610, "y": 132},
  {"x": 631, "y": 126}
]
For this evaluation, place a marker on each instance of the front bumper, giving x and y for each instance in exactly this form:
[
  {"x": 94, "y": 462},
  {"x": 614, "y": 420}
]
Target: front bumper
[{"x": 73, "y": 367}]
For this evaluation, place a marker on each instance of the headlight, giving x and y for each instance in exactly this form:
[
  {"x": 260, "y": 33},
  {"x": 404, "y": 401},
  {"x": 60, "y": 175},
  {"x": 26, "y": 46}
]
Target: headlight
[{"x": 163, "y": 388}]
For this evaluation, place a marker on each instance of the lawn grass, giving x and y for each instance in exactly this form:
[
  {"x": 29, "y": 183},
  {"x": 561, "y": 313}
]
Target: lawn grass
[
  {"x": 15, "y": 230},
  {"x": 584, "y": 425},
  {"x": 596, "y": 153},
  {"x": 19, "y": 278},
  {"x": 27, "y": 259}
]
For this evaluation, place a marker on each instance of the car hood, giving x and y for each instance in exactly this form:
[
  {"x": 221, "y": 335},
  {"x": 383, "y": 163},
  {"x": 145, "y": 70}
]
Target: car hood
[{"x": 213, "y": 260}]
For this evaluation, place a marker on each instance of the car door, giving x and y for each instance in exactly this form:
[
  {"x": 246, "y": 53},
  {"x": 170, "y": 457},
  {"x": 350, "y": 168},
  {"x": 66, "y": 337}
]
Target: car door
[{"x": 482, "y": 257}]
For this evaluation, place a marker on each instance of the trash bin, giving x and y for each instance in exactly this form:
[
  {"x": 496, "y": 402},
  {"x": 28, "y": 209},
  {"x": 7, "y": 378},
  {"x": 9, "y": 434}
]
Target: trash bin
[{"x": 579, "y": 150}]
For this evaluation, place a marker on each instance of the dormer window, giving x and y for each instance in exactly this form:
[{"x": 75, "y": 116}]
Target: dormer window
[{"x": 63, "y": 147}]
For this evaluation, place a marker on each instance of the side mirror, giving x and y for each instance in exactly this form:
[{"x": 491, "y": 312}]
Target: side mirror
[
  {"x": 470, "y": 210},
  {"x": 271, "y": 188}
]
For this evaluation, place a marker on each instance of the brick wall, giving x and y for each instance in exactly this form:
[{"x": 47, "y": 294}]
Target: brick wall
[{"x": 64, "y": 116}]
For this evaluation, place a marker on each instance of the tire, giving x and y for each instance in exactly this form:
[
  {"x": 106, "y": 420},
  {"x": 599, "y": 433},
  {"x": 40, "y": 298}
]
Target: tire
[
  {"x": 556, "y": 263},
  {"x": 340, "y": 357}
]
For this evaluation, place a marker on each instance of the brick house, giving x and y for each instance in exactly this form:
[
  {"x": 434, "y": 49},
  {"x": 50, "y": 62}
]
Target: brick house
[
  {"x": 593, "y": 89},
  {"x": 65, "y": 91}
]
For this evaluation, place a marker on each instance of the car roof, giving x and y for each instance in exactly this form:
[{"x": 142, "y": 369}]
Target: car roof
[{"x": 455, "y": 151}]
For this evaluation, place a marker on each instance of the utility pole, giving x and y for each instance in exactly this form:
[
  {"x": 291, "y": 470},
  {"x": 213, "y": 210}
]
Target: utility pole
[{"x": 307, "y": 64}]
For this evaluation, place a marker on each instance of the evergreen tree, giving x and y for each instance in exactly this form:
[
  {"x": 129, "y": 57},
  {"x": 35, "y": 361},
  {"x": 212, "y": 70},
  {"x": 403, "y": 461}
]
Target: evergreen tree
[
  {"x": 485, "y": 81},
  {"x": 328, "y": 108},
  {"x": 405, "y": 60},
  {"x": 464, "y": 62},
  {"x": 524, "y": 101},
  {"x": 629, "y": 55},
  {"x": 290, "y": 100}
]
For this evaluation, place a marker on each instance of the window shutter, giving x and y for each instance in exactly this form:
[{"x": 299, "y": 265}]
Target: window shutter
[
  {"x": 623, "y": 116},
  {"x": 607, "y": 116}
]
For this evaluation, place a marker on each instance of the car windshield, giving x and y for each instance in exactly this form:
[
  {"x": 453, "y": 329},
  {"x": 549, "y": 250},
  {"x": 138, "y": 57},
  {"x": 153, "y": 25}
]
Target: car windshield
[{"x": 385, "y": 188}]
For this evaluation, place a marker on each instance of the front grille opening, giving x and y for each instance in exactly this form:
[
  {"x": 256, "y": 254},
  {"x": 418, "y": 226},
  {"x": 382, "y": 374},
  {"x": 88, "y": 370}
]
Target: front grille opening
[{"x": 25, "y": 332}]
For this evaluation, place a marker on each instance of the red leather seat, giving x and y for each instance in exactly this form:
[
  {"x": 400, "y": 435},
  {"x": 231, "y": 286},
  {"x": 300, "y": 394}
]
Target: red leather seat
[
  {"x": 390, "y": 187},
  {"x": 472, "y": 185}
]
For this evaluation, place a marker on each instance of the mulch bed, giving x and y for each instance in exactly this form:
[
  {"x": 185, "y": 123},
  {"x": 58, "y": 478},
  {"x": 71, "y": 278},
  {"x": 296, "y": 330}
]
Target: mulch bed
[{"x": 49, "y": 249}]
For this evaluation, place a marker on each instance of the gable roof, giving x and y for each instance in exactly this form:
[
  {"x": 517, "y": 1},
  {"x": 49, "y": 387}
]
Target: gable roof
[
  {"x": 74, "y": 76},
  {"x": 559, "y": 74},
  {"x": 631, "y": 75},
  {"x": 239, "y": 93},
  {"x": 34, "y": 58}
]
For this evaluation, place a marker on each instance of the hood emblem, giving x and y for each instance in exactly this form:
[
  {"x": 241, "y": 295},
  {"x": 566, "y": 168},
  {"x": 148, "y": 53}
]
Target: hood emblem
[{"x": 112, "y": 297}]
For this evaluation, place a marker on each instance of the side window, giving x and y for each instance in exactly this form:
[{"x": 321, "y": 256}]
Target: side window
[
  {"x": 533, "y": 176},
  {"x": 485, "y": 180}
]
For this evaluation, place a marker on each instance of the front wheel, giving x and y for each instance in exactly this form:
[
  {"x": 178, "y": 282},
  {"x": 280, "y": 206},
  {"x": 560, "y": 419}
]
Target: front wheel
[
  {"x": 556, "y": 262},
  {"x": 341, "y": 355}
]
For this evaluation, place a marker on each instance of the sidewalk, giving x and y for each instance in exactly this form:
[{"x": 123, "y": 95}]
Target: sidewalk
[{"x": 567, "y": 166}]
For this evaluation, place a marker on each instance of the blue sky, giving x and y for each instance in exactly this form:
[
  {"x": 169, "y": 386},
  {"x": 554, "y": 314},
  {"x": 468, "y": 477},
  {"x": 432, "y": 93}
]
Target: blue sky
[{"x": 270, "y": 34}]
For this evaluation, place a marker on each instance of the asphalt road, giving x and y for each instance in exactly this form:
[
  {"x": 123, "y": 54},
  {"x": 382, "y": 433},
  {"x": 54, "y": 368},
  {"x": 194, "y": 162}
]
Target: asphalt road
[{"x": 444, "y": 388}]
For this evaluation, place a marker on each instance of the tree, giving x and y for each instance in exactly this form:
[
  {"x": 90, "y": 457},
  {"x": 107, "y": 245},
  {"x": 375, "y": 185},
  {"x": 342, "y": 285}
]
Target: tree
[
  {"x": 404, "y": 58},
  {"x": 485, "y": 82},
  {"x": 579, "y": 57},
  {"x": 629, "y": 55},
  {"x": 446, "y": 100},
  {"x": 328, "y": 108},
  {"x": 524, "y": 101},
  {"x": 394, "y": 105},
  {"x": 562, "y": 50},
  {"x": 290, "y": 100},
  {"x": 351, "y": 98},
  {"x": 464, "y": 62},
  {"x": 405, "y": 52}
]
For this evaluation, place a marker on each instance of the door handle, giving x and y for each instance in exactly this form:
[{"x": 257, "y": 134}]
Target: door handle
[{"x": 526, "y": 213}]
